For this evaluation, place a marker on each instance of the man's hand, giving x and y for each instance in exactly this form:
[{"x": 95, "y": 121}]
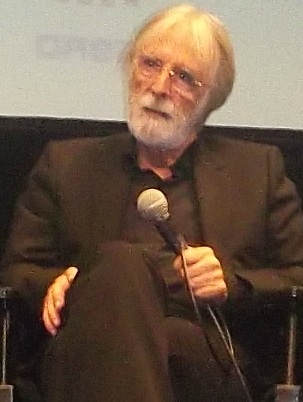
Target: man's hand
[
  {"x": 205, "y": 274},
  {"x": 54, "y": 300}
]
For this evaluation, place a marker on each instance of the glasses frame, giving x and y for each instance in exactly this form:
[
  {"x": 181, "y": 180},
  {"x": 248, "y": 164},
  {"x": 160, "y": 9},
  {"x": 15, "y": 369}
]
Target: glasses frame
[{"x": 156, "y": 68}]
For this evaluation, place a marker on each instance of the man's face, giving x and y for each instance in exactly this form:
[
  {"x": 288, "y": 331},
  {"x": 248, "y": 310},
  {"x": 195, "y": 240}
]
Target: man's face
[{"x": 166, "y": 92}]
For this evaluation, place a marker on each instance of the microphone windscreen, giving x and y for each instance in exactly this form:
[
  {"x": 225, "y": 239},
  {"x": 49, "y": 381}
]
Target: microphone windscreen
[{"x": 152, "y": 205}]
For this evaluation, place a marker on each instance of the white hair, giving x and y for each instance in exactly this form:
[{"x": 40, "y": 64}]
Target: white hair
[{"x": 210, "y": 39}]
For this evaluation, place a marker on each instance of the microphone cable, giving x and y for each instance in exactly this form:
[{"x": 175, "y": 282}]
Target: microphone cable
[{"x": 221, "y": 328}]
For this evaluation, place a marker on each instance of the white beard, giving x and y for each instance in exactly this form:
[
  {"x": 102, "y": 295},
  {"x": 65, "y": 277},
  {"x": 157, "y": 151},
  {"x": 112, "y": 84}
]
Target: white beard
[{"x": 167, "y": 129}]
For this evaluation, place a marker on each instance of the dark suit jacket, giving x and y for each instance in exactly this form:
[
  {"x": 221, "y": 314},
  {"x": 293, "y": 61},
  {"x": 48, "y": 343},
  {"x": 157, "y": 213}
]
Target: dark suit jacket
[{"x": 250, "y": 214}]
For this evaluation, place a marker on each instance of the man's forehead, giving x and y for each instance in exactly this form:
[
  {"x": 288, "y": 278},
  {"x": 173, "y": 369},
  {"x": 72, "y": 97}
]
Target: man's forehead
[{"x": 171, "y": 49}]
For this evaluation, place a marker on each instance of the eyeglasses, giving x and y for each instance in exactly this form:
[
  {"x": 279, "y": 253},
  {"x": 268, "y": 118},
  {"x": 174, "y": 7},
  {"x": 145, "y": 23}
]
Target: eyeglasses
[{"x": 181, "y": 79}]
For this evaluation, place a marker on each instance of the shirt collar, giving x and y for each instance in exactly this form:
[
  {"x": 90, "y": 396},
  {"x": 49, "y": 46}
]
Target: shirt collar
[{"x": 182, "y": 169}]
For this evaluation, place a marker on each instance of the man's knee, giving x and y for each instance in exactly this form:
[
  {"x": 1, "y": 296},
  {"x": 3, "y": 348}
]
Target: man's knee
[{"x": 119, "y": 270}]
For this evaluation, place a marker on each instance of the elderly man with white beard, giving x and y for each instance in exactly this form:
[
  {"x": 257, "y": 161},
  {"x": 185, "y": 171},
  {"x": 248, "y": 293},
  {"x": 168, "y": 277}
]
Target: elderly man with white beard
[{"x": 127, "y": 319}]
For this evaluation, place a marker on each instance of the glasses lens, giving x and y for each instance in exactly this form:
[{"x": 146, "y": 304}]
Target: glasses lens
[
  {"x": 181, "y": 79},
  {"x": 148, "y": 65}
]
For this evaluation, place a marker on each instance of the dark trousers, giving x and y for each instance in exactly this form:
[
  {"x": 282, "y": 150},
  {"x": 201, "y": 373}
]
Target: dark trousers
[{"x": 116, "y": 343}]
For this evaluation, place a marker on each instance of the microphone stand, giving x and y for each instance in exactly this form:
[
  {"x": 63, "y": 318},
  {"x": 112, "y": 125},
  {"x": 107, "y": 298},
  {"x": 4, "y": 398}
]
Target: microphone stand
[{"x": 289, "y": 392}]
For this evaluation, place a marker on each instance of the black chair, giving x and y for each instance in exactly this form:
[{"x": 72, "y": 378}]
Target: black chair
[
  {"x": 6, "y": 390},
  {"x": 19, "y": 352},
  {"x": 22, "y": 386}
]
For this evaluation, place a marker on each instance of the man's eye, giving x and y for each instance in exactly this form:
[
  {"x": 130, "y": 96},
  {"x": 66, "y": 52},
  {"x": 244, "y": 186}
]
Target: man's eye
[
  {"x": 186, "y": 77},
  {"x": 148, "y": 62}
]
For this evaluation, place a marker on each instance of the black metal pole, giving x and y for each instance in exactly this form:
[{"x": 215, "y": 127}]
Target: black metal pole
[
  {"x": 6, "y": 390},
  {"x": 289, "y": 392}
]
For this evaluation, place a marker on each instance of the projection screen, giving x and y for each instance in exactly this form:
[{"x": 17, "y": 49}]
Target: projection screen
[{"x": 62, "y": 58}]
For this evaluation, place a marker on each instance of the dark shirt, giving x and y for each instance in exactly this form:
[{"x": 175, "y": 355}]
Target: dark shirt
[{"x": 183, "y": 210}]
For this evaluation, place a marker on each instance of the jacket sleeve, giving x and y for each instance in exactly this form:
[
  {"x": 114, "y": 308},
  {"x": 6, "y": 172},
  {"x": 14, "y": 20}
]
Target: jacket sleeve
[
  {"x": 33, "y": 257},
  {"x": 283, "y": 267}
]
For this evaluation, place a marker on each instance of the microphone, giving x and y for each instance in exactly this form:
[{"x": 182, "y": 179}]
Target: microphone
[{"x": 153, "y": 206}]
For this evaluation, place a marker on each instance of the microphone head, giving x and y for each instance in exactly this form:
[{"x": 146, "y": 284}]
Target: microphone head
[{"x": 153, "y": 205}]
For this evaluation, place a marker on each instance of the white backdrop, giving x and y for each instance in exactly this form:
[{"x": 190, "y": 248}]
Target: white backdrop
[{"x": 60, "y": 58}]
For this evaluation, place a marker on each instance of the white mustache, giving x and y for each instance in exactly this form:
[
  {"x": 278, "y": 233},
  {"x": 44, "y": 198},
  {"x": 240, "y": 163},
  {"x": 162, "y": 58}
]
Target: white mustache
[{"x": 161, "y": 106}]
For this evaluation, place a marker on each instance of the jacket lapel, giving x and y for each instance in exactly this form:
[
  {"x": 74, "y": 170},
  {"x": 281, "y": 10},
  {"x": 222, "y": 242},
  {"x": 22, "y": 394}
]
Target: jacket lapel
[
  {"x": 214, "y": 193},
  {"x": 215, "y": 199}
]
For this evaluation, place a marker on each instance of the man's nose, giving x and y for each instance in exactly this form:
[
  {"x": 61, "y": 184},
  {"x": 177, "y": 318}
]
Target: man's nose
[{"x": 161, "y": 84}]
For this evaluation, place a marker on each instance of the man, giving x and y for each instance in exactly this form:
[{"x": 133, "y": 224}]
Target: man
[{"x": 109, "y": 290}]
